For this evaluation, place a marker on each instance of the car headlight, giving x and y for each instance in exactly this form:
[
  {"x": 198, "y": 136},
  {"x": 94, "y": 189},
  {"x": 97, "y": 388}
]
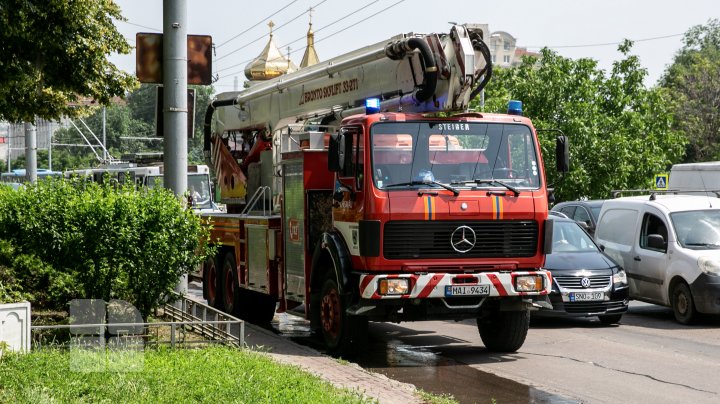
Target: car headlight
[
  {"x": 620, "y": 276},
  {"x": 709, "y": 265}
]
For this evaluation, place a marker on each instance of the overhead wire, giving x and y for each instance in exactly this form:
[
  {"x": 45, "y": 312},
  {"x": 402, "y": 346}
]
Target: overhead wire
[
  {"x": 303, "y": 37},
  {"x": 604, "y": 44},
  {"x": 263, "y": 36},
  {"x": 258, "y": 23}
]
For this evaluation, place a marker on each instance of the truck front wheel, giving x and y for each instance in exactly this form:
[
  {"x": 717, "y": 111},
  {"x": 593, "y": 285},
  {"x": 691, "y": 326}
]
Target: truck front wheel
[
  {"x": 344, "y": 335},
  {"x": 682, "y": 304},
  {"x": 504, "y": 331}
]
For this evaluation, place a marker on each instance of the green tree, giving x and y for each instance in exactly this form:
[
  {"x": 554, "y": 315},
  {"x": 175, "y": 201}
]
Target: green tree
[
  {"x": 620, "y": 132},
  {"x": 694, "y": 79},
  {"x": 54, "y": 53}
]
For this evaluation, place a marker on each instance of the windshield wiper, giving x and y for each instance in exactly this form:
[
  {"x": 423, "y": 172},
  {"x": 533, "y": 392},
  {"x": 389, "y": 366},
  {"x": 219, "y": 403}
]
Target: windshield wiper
[
  {"x": 703, "y": 245},
  {"x": 440, "y": 184},
  {"x": 496, "y": 182}
]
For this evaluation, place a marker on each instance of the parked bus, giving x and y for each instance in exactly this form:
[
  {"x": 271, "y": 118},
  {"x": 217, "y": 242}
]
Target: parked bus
[{"x": 19, "y": 175}]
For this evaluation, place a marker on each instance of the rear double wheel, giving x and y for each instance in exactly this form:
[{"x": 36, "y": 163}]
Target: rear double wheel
[
  {"x": 229, "y": 285},
  {"x": 211, "y": 283},
  {"x": 344, "y": 334}
]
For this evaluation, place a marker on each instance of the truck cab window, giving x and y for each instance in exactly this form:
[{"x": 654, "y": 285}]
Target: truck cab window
[{"x": 653, "y": 225}]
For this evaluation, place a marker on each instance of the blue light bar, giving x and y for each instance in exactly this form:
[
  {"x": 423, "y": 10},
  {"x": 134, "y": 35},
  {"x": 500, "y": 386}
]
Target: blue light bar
[
  {"x": 372, "y": 106},
  {"x": 515, "y": 107}
]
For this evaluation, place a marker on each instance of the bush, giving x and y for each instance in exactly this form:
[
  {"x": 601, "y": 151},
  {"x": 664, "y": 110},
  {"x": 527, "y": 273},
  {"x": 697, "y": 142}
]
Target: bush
[
  {"x": 85, "y": 240},
  {"x": 27, "y": 277}
]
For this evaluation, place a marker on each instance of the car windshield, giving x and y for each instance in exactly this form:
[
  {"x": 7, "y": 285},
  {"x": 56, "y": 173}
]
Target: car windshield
[
  {"x": 697, "y": 229},
  {"x": 568, "y": 236},
  {"x": 459, "y": 154}
]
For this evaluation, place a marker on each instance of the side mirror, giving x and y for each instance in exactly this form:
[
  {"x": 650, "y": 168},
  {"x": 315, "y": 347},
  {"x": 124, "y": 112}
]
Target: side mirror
[
  {"x": 656, "y": 241},
  {"x": 339, "y": 154},
  {"x": 562, "y": 153},
  {"x": 336, "y": 155},
  {"x": 548, "y": 236}
]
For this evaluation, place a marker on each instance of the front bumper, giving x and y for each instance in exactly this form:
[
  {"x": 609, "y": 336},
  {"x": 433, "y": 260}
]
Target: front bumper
[
  {"x": 615, "y": 301},
  {"x": 706, "y": 293},
  {"x": 433, "y": 285}
]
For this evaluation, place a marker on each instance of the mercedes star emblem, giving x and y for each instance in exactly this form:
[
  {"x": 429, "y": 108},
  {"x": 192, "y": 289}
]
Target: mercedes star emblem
[
  {"x": 585, "y": 282},
  {"x": 463, "y": 239}
]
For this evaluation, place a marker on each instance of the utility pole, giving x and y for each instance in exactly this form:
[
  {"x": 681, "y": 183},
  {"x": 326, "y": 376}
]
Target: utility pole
[
  {"x": 175, "y": 102},
  {"x": 105, "y": 153},
  {"x": 30, "y": 152}
]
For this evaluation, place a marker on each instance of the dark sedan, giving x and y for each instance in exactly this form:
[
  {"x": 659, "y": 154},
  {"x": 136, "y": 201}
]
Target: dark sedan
[
  {"x": 584, "y": 212},
  {"x": 586, "y": 282}
]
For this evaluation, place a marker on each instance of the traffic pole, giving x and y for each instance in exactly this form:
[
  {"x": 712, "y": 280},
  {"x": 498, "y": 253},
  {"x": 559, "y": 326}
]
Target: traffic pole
[
  {"x": 175, "y": 103},
  {"x": 30, "y": 152}
]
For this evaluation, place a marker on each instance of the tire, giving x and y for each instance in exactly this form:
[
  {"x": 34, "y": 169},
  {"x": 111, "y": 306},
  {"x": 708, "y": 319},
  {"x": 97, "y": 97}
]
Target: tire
[
  {"x": 344, "y": 335},
  {"x": 255, "y": 307},
  {"x": 610, "y": 318},
  {"x": 211, "y": 283},
  {"x": 682, "y": 304},
  {"x": 504, "y": 331},
  {"x": 229, "y": 285}
]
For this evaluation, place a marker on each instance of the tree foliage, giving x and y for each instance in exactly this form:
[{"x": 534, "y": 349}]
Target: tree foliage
[
  {"x": 54, "y": 52},
  {"x": 694, "y": 79},
  {"x": 101, "y": 241},
  {"x": 620, "y": 132}
]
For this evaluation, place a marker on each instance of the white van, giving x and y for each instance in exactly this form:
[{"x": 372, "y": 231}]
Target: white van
[
  {"x": 686, "y": 178},
  {"x": 669, "y": 246}
]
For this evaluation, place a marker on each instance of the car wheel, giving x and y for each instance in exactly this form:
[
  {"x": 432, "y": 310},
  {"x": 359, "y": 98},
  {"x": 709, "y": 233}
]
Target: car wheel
[
  {"x": 682, "y": 304},
  {"x": 610, "y": 318}
]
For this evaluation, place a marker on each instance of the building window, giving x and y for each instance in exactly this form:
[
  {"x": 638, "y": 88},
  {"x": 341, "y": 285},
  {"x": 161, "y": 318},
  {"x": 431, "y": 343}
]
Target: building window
[
  {"x": 506, "y": 59},
  {"x": 507, "y": 46},
  {"x": 493, "y": 58}
]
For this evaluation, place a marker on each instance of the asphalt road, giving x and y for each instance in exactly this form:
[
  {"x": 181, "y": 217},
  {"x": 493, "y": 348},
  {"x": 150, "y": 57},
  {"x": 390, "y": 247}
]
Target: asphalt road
[{"x": 648, "y": 358}]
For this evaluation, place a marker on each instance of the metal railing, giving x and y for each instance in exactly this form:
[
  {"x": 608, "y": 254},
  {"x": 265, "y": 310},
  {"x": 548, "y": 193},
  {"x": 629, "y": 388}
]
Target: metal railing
[
  {"x": 258, "y": 196},
  {"x": 186, "y": 315}
]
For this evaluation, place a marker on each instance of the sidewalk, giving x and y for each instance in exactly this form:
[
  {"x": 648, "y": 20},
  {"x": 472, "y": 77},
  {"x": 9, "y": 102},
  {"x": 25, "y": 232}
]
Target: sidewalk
[{"x": 345, "y": 375}]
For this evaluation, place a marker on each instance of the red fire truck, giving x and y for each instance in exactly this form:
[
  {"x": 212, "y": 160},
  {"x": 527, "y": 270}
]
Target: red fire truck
[{"x": 384, "y": 210}]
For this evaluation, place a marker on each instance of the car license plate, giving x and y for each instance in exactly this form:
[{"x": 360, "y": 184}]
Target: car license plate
[
  {"x": 467, "y": 290},
  {"x": 586, "y": 296}
]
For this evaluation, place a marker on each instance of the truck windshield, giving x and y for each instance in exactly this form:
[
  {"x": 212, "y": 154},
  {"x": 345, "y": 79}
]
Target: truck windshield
[
  {"x": 461, "y": 154},
  {"x": 697, "y": 229},
  {"x": 198, "y": 189}
]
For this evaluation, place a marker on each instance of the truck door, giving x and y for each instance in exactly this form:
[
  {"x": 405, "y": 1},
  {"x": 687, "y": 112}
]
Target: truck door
[{"x": 651, "y": 260}]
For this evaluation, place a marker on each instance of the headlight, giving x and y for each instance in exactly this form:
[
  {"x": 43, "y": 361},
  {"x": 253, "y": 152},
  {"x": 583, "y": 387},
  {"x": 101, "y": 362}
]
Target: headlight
[
  {"x": 397, "y": 286},
  {"x": 620, "y": 277},
  {"x": 709, "y": 265},
  {"x": 529, "y": 283}
]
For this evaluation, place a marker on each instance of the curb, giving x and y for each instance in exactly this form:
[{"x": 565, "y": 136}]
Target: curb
[{"x": 344, "y": 375}]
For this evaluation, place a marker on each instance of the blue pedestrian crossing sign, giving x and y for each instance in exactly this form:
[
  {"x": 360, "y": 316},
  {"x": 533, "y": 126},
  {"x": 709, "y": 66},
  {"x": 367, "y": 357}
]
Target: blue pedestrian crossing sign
[{"x": 661, "y": 181}]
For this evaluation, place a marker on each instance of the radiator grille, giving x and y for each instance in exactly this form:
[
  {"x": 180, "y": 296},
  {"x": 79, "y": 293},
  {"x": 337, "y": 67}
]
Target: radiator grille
[
  {"x": 432, "y": 239},
  {"x": 573, "y": 282}
]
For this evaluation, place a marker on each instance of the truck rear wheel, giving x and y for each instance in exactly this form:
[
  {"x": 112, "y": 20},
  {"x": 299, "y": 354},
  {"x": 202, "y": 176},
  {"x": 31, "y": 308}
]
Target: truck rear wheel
[
  {"x": 504, "y": 331},
  {"x": 211, "y": 283},
  {"x": 344, "y": 335},
  {"x": 229, "y": 288}
]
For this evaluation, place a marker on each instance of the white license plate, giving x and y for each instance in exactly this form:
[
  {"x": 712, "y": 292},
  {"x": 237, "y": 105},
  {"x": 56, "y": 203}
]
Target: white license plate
[
  {"x": 467, "y": 290},
  {"x": 586, "y": 296}
]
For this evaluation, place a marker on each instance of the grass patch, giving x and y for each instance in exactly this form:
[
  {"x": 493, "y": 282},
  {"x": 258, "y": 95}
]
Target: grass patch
[
  {"x": 432, "y": 398},
  {"x": 216, "y": 374}
]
